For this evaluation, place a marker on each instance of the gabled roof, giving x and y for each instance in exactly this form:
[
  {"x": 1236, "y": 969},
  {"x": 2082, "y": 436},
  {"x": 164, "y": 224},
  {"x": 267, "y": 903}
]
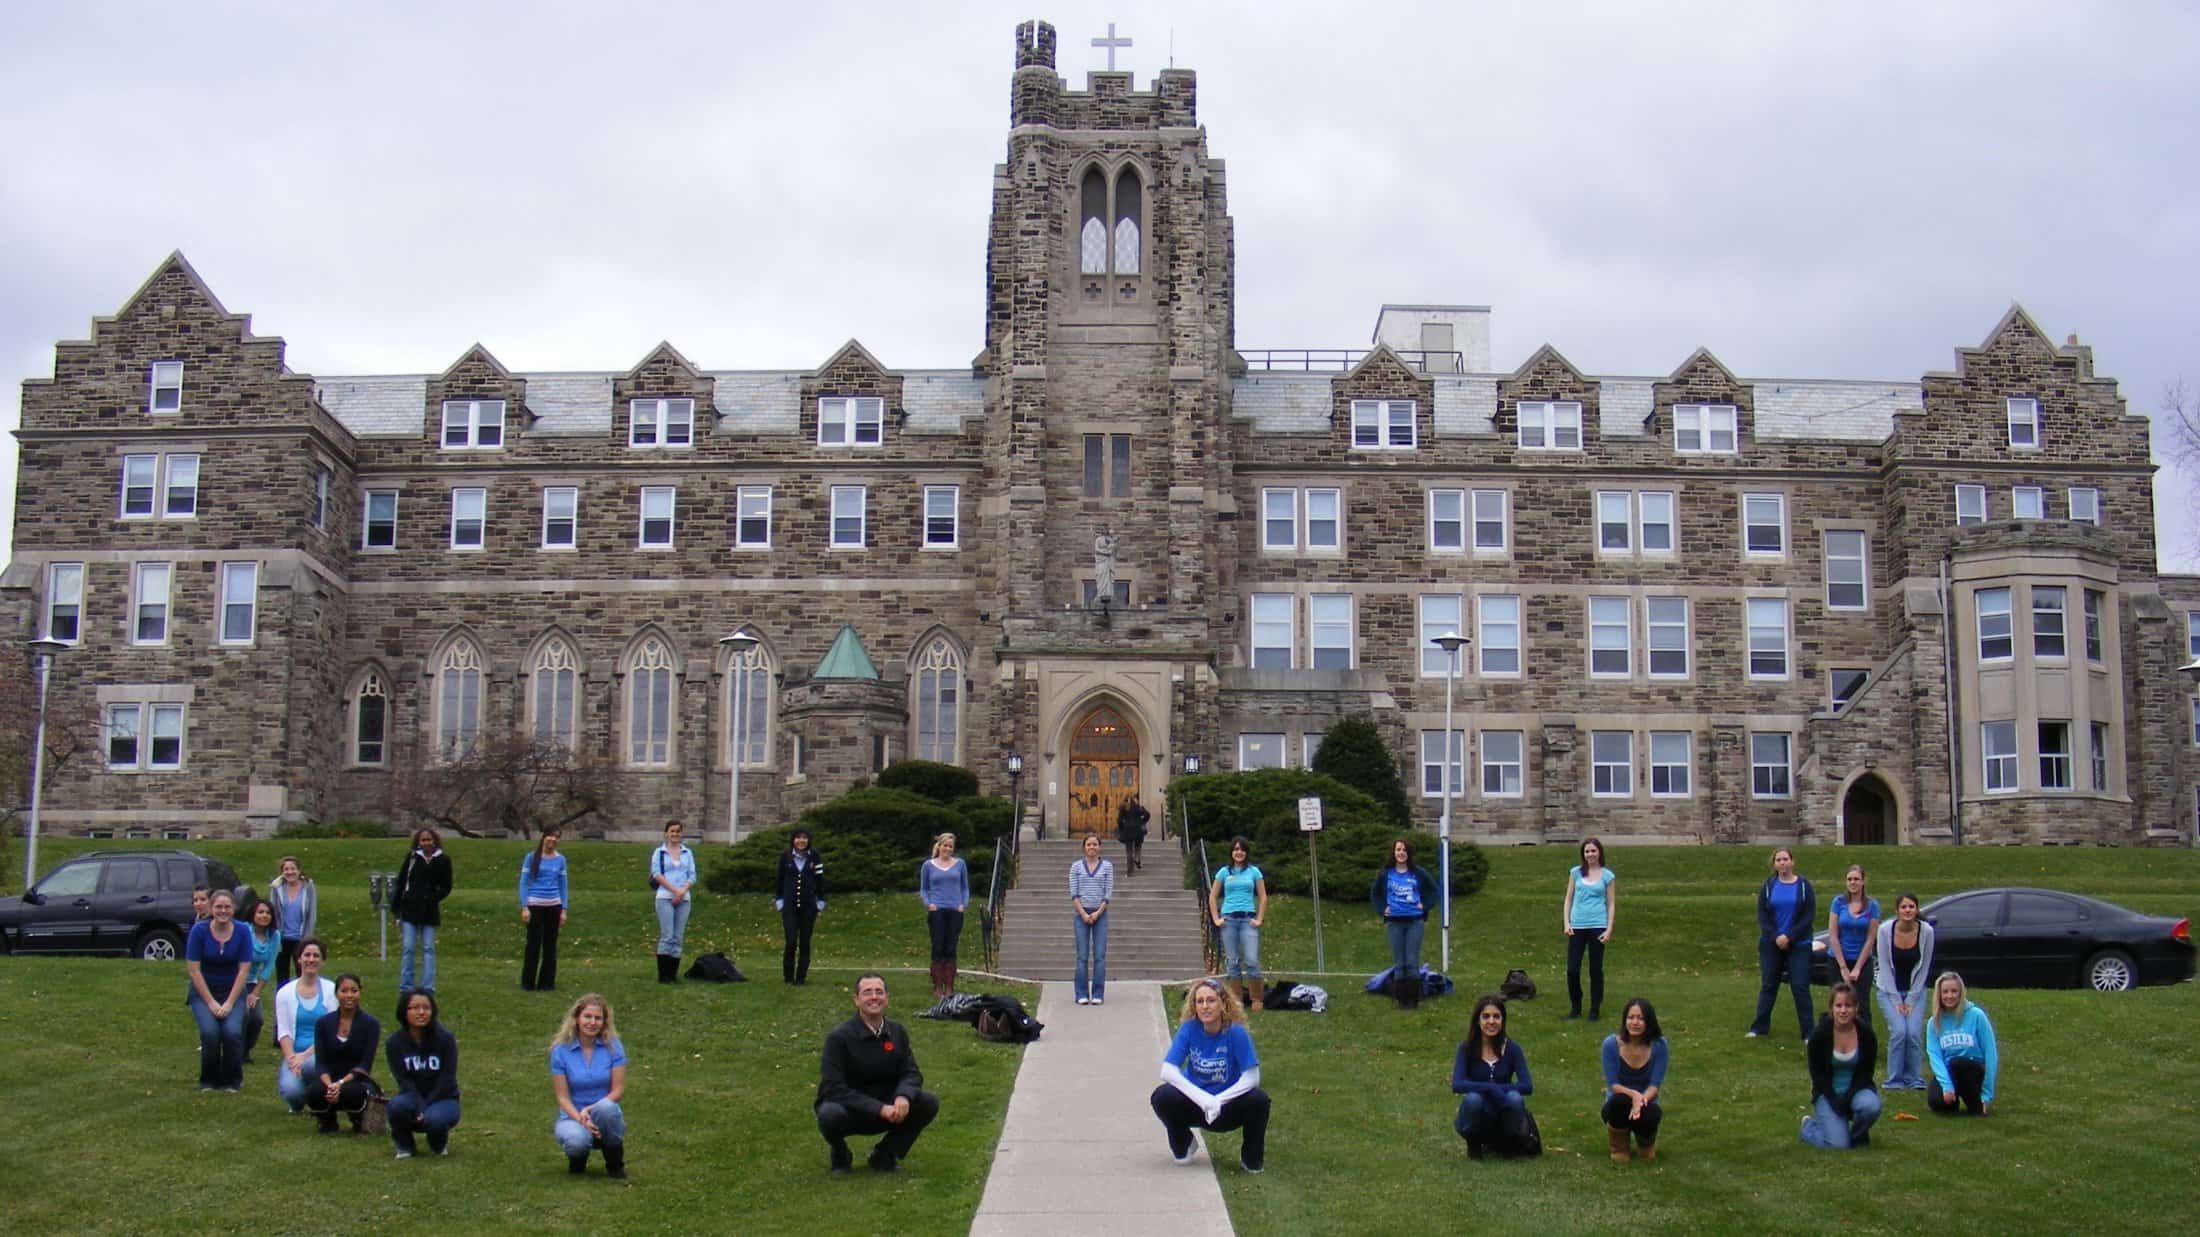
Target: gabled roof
[
  {"x": 665, "y": 349},
  {"x": 1698, "y": 357},
  {"x": 846, "y": 348},
  {"x": 477, "y": 352},
  {"x": 1381, "y": 353},
  {"x": 174, "y": 262},
  {"x": 1537, "y": 358},
  {"x": 846, "y": 659}
]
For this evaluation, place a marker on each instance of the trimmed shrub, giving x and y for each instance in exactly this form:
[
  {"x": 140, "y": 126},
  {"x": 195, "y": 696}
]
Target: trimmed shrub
[
  {"x": 346, "y": 828},
  {"x": 1262, "y": 806},
  {"x": 941, "y": 783},
  {"x": 1353, "y": 752},
  {"x": 872, "y": 840}
]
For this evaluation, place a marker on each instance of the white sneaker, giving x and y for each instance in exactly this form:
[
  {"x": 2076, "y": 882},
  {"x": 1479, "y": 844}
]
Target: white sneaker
[
  {"x": 1084, "y": 1000},
  {"x": 1098, "y": 1001},
  {"x": 404, "y": 1155}
]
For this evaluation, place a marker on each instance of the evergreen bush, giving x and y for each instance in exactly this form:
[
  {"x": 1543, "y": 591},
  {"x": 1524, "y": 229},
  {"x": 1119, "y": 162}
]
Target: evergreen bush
[{"x": 1353, "y": 752}]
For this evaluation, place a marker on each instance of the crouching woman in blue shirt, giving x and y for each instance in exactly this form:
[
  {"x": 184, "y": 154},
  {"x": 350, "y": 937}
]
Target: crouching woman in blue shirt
[
  {"x": 1634, "y": 1072},
  {"x": 588, "y": 1076},
  {"x": 423, "y": 1057},
  {"x": 1491, "y": 1074},
  {"x": 1210, "y": 1078}
]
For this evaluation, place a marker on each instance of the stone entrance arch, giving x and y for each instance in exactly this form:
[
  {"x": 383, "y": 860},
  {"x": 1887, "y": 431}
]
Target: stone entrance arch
[{"x": 1870, "y": 814}]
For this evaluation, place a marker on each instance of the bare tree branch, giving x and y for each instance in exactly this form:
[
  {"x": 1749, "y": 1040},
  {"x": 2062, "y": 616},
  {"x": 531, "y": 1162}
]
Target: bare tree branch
[{"x": 510, "y": 784}]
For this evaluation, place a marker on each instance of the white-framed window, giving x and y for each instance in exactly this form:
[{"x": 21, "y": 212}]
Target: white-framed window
[
  {"x": 1310, "y": 746},
  {"x": 1383, "y": 425},
  {"x": 370, "y": 720},
  {"x": 1998, "y": 745},
  {"x": 145, "y": 736},
  {"x": 139, "y": 475},
  {"x": 1768, "y": 637},
  {"x": 561, "y": 517},
  {"x": 1441, "y": 614},
  {"x": 2085, "y": 504},
  {"x": 2097, "y": 752},
  {"x": 2192, "y": 633},
  {"x": 649, "y": 709},
  {"x": 1550, "y": 426},
  {"x": 149, "y": 603},
  {"x": 850, "y": 421},
  {"x": 1770, "y": 765},
  {"x": 1615, "y": 522},
  {"x": 2054, "y": 755},
  {"x": 1970, "y": 504},
  {"x": 124, "y": 722},
  {"x": 1670, "y": 763},
  {"x": 166, "y": 383},
  {"x": 1504, "y": 766},
  {"x": 240, "y": 602},
  {"x": 1433, "y": 768},
  {"x": 1611, "y": 638},
  {"x": 1107, "y": 465},
  {"x": 2024, "y": 424},
  {"x": 1492, "y": 521},
  {"x": 851, "y": 505},
  {"x": 2196, "y": 721},
  {"x": 469, "y": 518},
  {"x": 457, "y": 701},
  {"x": 1655, "y": 523},
  {"x": 378, "y": 520},
  {"x": 1705, "y": 429},
  {"x": 1665, "y": 620},
  {"x": 660, "y": 423},
  {"x": 937, "y": 675},
  {"x": 1842, "y": 684},
  {"x": 1279, "y": 520},
  {"x": 1447, "y": 521},
  {"x": 752, "y": 521},
  {"x": 659, "y": 503},
  {"x": 1845, "y": 575},
  {"x": 1996, "y": 638},
  {"x": 1611, "y": 763},
  {"x": 179, "y": 487},
  {"x": 1272, "y": 631},
  {"x": 2028, "y": 502},
  {"x": 1497, "y": 634},
  {"x": 936, "y": 678},
  {"x": 1764, "y": 525},
  {"x": 942, "y": 516},
  {"x": 1261, "y": 751},
  {"x": 65, "y": 602},
  {"x": 1329, "y": 631},
  {"x": 2095, "y": 601},
  {"x": 1324, "y": 521},
  {"x": 174, "y": 479},
  {"x": 318, "y": 513},
  {"x": 554, "y": 691},
  {"x": 473, "y": 424},
  {"x": 2050, "y": 615},
  {"x": 164, "y": 731}
]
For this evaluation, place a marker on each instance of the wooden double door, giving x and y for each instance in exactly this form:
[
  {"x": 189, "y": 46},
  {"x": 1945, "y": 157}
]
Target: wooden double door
[{"x": 1103, "y": 771}]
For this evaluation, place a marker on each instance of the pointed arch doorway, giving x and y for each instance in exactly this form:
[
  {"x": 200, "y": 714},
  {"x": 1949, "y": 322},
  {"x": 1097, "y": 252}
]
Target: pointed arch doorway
[
  {"x": 1868, "y": 813},
  {"x": 1103, "y": 770}
]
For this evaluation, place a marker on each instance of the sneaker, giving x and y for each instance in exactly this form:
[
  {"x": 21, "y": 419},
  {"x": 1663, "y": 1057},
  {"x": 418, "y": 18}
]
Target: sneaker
[
  {"x": 1180, "y": 1146},
  {"x": 1754, "y": 1035},
  {"x": 403, "y": 1154},
  {"x": 882, "y": 1161},
  {"x": 1251, "y": 1168},
  {"x": 1083, "y": 1000},
  {"x": 1095, "y": 1000}
]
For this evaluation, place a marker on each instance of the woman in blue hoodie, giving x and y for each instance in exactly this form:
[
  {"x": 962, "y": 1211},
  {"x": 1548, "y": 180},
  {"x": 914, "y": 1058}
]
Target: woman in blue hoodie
[
  {"x": 1959, "y": 1045},
  {"x": 542, "y": 909},
  {"x": 423, "y": 1057},
  {"x": 1786, "y": 908},
  {"x": 1491, "y": 1076}
]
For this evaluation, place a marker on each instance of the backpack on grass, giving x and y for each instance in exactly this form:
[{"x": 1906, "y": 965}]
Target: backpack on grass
[{"x": 716, "y": 968}]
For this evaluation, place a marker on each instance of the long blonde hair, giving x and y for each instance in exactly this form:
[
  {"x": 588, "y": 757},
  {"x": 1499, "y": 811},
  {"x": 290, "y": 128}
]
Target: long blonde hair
[
  {"x": 569, "y": 1031},
  {"x": 1232, "y": 1012},
  {"x": 1963, "y": 1000},
  {"x": 945, "y": 839}
]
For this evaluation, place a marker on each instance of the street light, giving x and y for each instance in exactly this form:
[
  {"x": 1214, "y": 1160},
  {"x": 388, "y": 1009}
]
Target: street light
[
  {"x": 738, "y": 646},
  {"x": 1016, "y": 800},
  {"x": 42, "y": 655},
  {"x": 1451, "y": 642},
  {"x": 2191, "y": 671}
]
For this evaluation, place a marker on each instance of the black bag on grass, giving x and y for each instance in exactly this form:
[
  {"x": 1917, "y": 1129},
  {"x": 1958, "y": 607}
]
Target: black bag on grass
[
  {"x": 1517, "y": 986},
  {"x": 716, "y": 968}
]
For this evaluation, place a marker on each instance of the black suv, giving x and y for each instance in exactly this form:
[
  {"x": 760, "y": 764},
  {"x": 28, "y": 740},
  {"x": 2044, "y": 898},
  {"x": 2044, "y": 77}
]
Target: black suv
[{"x": 135, "y": 902}]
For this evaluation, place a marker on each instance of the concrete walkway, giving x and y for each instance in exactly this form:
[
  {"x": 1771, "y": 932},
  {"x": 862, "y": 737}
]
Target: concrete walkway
[{"x": 1081, "y": 1151}]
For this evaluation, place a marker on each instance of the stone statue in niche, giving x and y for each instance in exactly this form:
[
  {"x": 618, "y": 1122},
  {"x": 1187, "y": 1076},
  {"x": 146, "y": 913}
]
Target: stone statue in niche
[{"x": 1103, "y": 566}]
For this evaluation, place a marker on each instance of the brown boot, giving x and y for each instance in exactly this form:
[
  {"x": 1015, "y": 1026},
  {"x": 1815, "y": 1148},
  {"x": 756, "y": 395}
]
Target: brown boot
[
  {"x": 1260, "y": 993},
  {"x": 948, "y": 971},
  {"x": 936, "y": 981},
  {"x": 1648, "y": 1150},
  {"x": 1245, "y": 1001},
  {"x": 1618, "y": 1139}
]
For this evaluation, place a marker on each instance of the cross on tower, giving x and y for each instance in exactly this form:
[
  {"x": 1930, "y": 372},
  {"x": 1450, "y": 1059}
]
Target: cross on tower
[{"x": 1111, "y": 43}]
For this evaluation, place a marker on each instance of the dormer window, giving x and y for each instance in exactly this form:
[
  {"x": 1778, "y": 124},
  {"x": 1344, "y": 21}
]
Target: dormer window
[
  {"x": 661, "y": 423},
  {"x": 1704, "y": 429},
  {"x": 852, "y": 421},
  {"x": 1550, "y": 426},
  {"x": 167, "y": 384},
  {"x": 473, "y": 424},
  {"x": 1382, "y": 425},
  {"x": 2024, "y": 424}
]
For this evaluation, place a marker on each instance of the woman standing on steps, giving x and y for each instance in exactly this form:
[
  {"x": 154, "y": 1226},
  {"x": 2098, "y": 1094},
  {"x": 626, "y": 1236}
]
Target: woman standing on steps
[
  {"x": 1240, "y": 902},
  {"x": 542, "y": 908},
  {"x": 800, "y": 897},
  {"x": 1091, "y": 886},
  {"x": 672, "y": 874},
  {"x": 943, "y": 881},
  {"x": 1586, "y": 918}
]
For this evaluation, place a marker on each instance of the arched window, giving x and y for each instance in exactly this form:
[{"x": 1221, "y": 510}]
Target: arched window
[
  {"x": 370, "y": 720},
  {"x": 1129, "y": 214},
  {"x": 457, "y": 700},
  {"x": 1092, "y": 233},
  {"x": 936, "y": 685},
  {"x": 555, "y": 687},
  {"x": 749, "y": 686},
  {"x": 649, "y": 704}
]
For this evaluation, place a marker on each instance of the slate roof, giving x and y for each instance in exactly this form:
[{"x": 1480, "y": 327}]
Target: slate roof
[
  {"x": 759, "y": 401},
  {"x": 1822, "y": 408},
  {"x": 1465, "y": 404},
  {"x": 1623, "y": 404},
  {"x": 569, "y": 403},
  {"x": 1282, "y": 403},
  {"x": 390, "y": 406},
  {"x": 939, "y": 401}
]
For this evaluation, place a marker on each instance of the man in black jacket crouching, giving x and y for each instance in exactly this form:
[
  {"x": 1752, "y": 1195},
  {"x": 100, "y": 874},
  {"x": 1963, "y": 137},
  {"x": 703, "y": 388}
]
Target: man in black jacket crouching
[{"x": 868, "y": 1084}]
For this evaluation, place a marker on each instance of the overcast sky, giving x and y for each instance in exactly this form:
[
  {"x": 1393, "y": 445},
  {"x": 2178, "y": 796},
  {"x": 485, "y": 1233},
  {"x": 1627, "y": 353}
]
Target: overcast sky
[{"x": 1848, "y": 191}]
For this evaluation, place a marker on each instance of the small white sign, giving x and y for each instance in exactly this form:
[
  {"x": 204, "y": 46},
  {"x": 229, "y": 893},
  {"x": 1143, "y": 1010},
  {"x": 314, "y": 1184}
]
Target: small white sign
[{"x": 1310, "y": 815}]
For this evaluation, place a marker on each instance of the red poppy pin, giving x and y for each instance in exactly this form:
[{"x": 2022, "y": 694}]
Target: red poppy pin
[{"x": 889, "y": 1045}]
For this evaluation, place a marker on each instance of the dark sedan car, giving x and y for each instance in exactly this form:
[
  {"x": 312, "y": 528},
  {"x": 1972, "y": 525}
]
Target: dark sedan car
[
  {"x": 112, "y": 902},
  {"x": 2041, "y": 938}
]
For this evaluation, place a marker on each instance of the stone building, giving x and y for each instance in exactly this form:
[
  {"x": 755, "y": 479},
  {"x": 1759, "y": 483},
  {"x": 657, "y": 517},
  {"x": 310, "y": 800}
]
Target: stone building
[{"x": 1701, "y": 606}]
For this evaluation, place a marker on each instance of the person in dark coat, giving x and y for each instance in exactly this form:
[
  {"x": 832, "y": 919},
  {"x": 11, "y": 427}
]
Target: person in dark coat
[
  {"x": 344, "y": 1041},
  {"x": 800, "y": 896},
  {"x": 423, "y": 881},
  {"x": 1130, "y": 830},
  {"x": 868, "y": 1083},
  {"x": 1842, "y": 1052}
]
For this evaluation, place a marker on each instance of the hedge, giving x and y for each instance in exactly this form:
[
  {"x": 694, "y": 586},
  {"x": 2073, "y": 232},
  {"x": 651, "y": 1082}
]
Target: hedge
[
  {"x": 871, "y": 840},
  {"x": 1262, "y": 807}
]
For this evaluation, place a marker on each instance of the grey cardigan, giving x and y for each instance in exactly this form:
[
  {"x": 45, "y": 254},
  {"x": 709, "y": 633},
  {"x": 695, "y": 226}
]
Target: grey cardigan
[{"x": 1920, "y": 980}]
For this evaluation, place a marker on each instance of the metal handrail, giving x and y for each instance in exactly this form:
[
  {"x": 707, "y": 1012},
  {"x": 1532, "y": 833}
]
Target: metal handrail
[
  {"x": 1208, "y": 932},
  {"x": 989, "y": 924},
  {"x": 1312, "y": 360}
]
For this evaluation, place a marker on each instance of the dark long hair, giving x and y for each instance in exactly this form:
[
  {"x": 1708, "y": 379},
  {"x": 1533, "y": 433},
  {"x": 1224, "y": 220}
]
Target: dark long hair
[
  {"x": 534, "y": 857},
  {"x": 1582, "y": 858},
  {"x": 435, "y": 1015},
  {"x": 1236, "y": 844},
  {"x": 1390, "y": 856},
  {"x": 1651, "y": 1032},
  {"x": 1487, "y": 1000}
]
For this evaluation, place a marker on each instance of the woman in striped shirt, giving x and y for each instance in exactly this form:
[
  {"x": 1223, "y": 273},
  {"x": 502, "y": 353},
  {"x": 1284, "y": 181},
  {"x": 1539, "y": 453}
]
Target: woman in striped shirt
[{"x": 1091, "y": 885}]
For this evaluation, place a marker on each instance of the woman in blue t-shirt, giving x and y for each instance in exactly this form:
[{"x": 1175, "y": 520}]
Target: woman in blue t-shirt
[
  {"x": 1634, "y": 1074},
  {"x": 217, "y": 959},
  {"x": 542, "y": 899},
  {"x": 1402, "y": 894},
  {"x": 1210, "y": 1078},
  {"x": 259, "y": 987},
  {"x": 1852, "y": 933},
  {"x": 1586, "y": 917},
  {"x": 1786, "y": 907},
  {"x": 1239, "y": 902}
]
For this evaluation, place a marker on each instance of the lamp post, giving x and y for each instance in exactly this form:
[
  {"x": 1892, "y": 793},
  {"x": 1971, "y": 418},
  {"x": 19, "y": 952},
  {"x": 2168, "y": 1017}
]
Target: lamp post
[
  {"x": 42, "y": 654},
  {"x": 1184, "y": 813},
  {"x": 738, "y": 646},
  {"x": 1451, "y": 642},
  {"x": 1016, "y": 801}
]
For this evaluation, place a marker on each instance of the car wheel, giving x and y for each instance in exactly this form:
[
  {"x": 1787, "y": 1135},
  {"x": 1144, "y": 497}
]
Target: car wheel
[
  {"x": 159, "y": 945},
  {"x": 2111, "y": 970}
]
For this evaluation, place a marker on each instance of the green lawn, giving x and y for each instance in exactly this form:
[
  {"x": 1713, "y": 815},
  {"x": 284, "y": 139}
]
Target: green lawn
[
  {"x": 2097, "y": 1120},
  {"x": 102, "y": 1059}
]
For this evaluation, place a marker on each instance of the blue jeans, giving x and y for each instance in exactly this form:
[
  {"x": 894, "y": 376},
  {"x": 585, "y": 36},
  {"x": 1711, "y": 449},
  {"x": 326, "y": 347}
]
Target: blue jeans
[
  {"x": 1825, "y": 1128},
  {"x": 407, "y": 1114},
  {"x": 413, "y": 937},
  {"x": 1240, "y": 947},
  {"x": 1905, "y": 1043},
  {"x": 1092, "y": 953},
  {"x": 672, "y": 925},
  {"x": 1479, "y": 1115},
  {"x": 1772, "y": 963},
  {"x": 573, "y": 1137},
  {"x": 293, "y": 1087},
  {"x": 221, "y": 1043},
  {"x": 1405, "y": 944}
]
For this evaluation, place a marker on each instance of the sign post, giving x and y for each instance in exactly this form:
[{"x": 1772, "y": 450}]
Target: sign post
[{"x": 1310, "y": 824}]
